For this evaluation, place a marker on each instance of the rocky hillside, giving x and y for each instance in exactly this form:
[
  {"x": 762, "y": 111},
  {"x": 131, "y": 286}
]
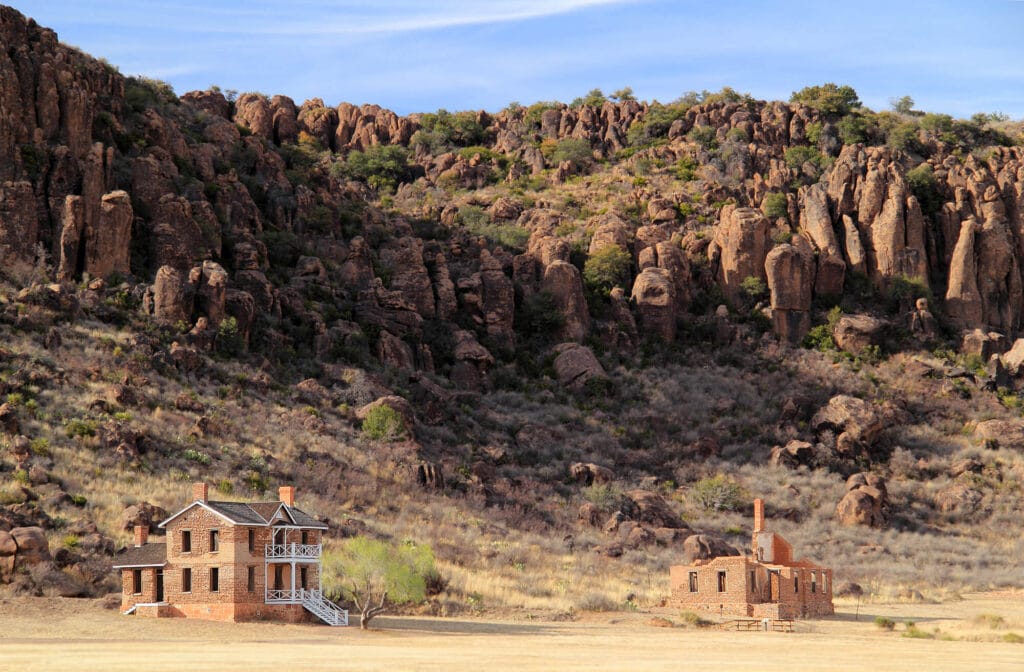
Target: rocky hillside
[{"x": 603, "y": 325}]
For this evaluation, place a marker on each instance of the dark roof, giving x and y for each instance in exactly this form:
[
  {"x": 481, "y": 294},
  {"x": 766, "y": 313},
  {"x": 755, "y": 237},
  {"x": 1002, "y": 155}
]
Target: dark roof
[
  {"x": 238, "y": 512},
  {"x": 258, "y": 513},
  {"x": 147, "y": 555}
]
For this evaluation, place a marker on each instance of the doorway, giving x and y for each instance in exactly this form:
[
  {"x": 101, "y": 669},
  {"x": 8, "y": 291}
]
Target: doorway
[{"x": 160, "y": 586}]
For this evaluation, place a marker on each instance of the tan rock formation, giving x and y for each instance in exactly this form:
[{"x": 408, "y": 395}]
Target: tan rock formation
[
  {"x": 654, "y": 295},
  {"x": 562, "y": 280},
  {"x": 740, "y": 246}
]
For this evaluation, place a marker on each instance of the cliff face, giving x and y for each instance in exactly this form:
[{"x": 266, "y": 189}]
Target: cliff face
[{"x": 118, "y": 176}]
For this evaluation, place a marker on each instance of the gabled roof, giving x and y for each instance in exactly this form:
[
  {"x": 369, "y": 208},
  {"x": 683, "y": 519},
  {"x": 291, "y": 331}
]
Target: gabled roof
[
  {"x": 147, "y": 555},
  {"x": 260, "y": 514}
]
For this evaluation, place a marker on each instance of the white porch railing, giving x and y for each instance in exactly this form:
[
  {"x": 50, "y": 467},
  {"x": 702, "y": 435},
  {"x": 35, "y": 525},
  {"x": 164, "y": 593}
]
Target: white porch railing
[
  {"x": 313, "y": 601},
  {"x": 293, "y": 551},
  {"x": 284, "y": 596}
]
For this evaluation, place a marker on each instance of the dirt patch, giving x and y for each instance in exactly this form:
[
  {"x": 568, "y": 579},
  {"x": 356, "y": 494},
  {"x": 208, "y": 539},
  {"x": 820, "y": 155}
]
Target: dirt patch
[{"x": 60, "y": 634}]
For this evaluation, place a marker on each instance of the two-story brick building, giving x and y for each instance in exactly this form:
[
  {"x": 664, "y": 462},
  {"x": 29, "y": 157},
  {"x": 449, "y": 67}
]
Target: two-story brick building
[
  {"x": 769, "y": 583},
  {"x": 230, "y": 561}
]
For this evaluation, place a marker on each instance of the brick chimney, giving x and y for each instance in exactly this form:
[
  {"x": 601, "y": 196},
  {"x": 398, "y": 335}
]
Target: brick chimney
[
  {"x": 758, "y": 515},
  {"x": 286, "y": 493},
  {"x": 141, "y": 535},
  {"x": 200, "y": 492}
]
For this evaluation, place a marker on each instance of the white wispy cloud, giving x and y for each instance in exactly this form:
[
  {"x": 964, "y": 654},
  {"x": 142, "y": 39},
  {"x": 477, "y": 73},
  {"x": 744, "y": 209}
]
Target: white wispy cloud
[{"x": 318, "y": 18}]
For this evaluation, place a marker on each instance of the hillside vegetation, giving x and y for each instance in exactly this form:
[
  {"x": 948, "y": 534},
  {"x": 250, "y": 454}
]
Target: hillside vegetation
[{"x": 553, "y": 342}]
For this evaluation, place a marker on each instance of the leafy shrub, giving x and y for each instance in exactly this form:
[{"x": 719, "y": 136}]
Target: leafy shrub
[
  {"x": 925, "y": 188},
  {"x": 79, "y": 427},
  {"x": 477, "y": 222},
  {"x": 1013, "y": 638},
  {"x": 380, "y": 166},
  {"x": 193, "y": 455},
  {"x": 854, "y": 128},
  {"x": 775, "y": 205},
  {"x": 717, "y": 493},
  {"x": 705, "y": 136},
  {"x": 820, "y": 337},
  {"x": 375, "y": 574},
  {"x": 538, "y": 317},
  {"x": 384, "y": 423},
  {"x": 885, "y": 623},
  {"x": 576, "y": 151},
  {"x": 443, "y": 130},
  {"x": 754, "y": 287},
  {"x": 797, "y": 156},
  {"x": 694, "y": 619},
  {"x": 685, "y": 169},
  {"x": 229, "y": 339},
  {"x": 601, "y": 495},
  {"x": 607, "y": 268},
  {"x": 594, "y": 98},
  {"x": 828, "y": 98},
  {"x": 904, "y": 137},
  {"x": 656, "y": 123}
]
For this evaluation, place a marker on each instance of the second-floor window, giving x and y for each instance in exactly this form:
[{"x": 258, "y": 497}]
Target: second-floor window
[
  {"x": 252, "y": 540},
  {"x": 186, "y": 541},
  {"x": 305, "y": 537},
  {"x": 214, "y": 541}
]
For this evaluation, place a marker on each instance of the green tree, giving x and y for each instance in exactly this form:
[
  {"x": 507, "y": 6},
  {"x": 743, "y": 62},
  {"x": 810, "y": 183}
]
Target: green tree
[
  {"x": 374, "y": 574},
  {"x": 574, "y": 150},
  {"x": 594, "y": 98},
  {"x": 925, "y": 188},
  {"x": 903, "y": 105},
  {"x": 380, "y": 166},
  {"x": 607, "y": 268},
  {"x": 383, "y": 423},
  {"x": 775, "y": 205},
  {"x": 829, "y": 98},
  {"x": 229, "y": 340},
  {"x": 625, "y": 93}
]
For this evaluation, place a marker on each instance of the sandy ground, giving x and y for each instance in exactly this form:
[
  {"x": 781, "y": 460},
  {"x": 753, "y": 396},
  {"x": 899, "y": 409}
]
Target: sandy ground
[{"x": 80, "y": 635}]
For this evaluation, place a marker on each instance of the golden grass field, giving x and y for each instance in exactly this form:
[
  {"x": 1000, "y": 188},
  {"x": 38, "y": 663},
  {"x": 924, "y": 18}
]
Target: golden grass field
[{"x": 80, "y": 635}]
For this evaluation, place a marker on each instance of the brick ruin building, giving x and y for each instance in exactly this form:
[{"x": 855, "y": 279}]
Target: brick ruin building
[
  {"x": 769, "y": 583},
  {"x": 230, "y": 561}
]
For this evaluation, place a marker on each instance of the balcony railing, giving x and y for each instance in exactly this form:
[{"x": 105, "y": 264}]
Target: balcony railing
[
  {"x": 291, "y": 596},
  {"x": 293, "y": 551}
]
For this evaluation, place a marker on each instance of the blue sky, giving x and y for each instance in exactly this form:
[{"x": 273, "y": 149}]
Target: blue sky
[{"x": 952, "y": 56}]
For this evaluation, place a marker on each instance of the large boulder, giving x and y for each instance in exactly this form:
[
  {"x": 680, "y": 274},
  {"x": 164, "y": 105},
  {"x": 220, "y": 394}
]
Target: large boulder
[
  {"x": 866, "y": 501},
  {"x": 562, "y": 280},
  {"x": 792, "y": 455},
  {"x": 143, "y": 513},
  {"x": 958, "y": 498},
  {"x": 740, "y": 245},
  {"x": 107, "y": 244},
  {"x": 654, "y": 295},
  {"x": 650, "y": 508},
  {"x": 32, "y": 546},
  {"x": 790, "y": 272},
  {"x": 859, "y": 420},
  {"x": 705, "y": 547},
  {"x": 1001, "y": 433},
  {"x": 589, "y": 473},
  {"x": 576, "y": 366},
  {"x": 853, "y": 333}
]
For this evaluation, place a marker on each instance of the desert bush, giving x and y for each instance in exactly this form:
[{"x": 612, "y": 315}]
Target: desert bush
[
  {"x": 373, "y": 574},
  {"x": 775, "y": 206},
  {"x": 925, "y": 188},
  {"x": 380, "y": 166},
  {"x": 828, "y": 98},
  {"x": 717, "y": 493},
  {"x": 384, "y": 423},
  {"x": 885, "y": 623},
  {"x": 606, "y": 269},
  {"x": 694, "y": 619}
]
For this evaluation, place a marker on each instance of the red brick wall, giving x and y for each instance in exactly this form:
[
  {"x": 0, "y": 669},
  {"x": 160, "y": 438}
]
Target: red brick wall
[
  {"x": 742, "y": 598},
  {"x": 148, "y": 594}
]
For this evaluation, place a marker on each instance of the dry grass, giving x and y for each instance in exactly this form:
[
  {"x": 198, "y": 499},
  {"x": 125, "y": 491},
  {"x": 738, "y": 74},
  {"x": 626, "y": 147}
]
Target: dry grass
[{"x": 58, "y": 634}]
